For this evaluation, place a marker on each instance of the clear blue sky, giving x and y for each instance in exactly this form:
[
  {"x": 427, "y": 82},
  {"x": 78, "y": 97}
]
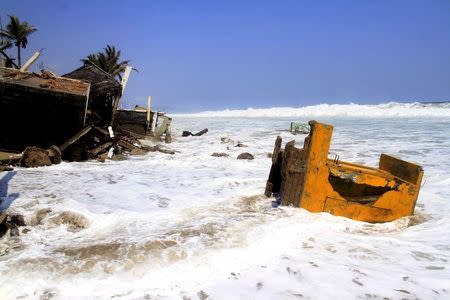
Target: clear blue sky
[{"x": 199, "y": 55}]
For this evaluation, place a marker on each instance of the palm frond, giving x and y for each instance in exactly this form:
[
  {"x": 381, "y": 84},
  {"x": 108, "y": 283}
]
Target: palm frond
[{"x": 108, "y": 61}]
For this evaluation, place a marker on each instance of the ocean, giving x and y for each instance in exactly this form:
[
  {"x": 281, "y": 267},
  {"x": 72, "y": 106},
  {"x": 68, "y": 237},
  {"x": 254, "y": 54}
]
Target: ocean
[{"x": 193, "y": 226}]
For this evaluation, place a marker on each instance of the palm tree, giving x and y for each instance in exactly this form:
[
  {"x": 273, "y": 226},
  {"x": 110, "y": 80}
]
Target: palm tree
[
  {"x": 108, "y": 61},
  {"x": 17, "y": 33}
]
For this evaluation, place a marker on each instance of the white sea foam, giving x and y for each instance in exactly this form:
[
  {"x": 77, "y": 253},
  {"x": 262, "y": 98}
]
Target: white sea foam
[
  {"x": 391, "y": 109},
  {"x": 191, "y": 225}
]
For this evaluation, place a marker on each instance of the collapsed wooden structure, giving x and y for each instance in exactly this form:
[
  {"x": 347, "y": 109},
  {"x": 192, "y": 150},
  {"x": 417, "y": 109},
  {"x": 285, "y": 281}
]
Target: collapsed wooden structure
[
  {"x": 104, "y": 91},
  {"x": 40, "y": 109},
  {"x": 45, "y": 117},
  {"x": 307, "y": 178}
]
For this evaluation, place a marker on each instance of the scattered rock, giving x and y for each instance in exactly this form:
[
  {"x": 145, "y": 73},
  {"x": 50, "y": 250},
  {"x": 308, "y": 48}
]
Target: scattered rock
[
  {"x": 6, "y": 168},
  {"x": 3, "y": 227},
  {"x": 159, "y": 149},
  {"x": 54, "y": 154},
  {"x": 245, "y": 155},
  {"x": 226, "y": 140},
  {"x": 11, "y": 223},
  {"x": 220, "y": 154},
  {"x": 26, "y": 230},
  {"x": 241, "y": 145},
  {"x": 202, "y": 295},
  {"x": 14, "y": 231},
  {"x": 119, "y": 157},
  {"x": 74, "y": 221},
  {"x": 16, "y": 220},
  {"x": 35, "y": 157},
  {"x": 138, "y": 151}
]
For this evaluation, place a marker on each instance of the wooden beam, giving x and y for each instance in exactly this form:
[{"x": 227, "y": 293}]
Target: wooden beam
[
  {"x": 30, "y": 61},
  {"x": 124, "y": 82},
  {"x": 75, "y": 138}
]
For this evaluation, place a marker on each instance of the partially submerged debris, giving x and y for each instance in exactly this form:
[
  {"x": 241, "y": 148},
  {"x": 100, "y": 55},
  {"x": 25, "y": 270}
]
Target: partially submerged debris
[
  {"x": 307, "y": 178},
  {"x": 188, "y": 133},
  {"x": 11, "y": 223},
  {"x": 299, "y": 128},
  {"x": 145, "y": 123},
  {"x": 241, "y": 145},
  {"x": 6, "y": 168},
  {"x": 245, "y": 155},
  {"x": 220, "y": 154}
]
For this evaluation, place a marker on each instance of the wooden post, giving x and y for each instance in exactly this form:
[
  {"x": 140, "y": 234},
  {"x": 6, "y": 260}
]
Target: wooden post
[
  {"x": 149, "y": 99},
  {"x": 29, "y": 62},
  {"x": 124, "y": 81}
]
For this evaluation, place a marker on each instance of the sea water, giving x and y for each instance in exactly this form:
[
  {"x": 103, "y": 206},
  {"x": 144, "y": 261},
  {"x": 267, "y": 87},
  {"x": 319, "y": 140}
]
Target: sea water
[{"x": 193, "y": 226}]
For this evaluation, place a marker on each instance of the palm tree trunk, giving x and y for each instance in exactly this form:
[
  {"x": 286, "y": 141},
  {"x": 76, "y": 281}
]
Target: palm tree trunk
[{"x": 18, "y": 56}]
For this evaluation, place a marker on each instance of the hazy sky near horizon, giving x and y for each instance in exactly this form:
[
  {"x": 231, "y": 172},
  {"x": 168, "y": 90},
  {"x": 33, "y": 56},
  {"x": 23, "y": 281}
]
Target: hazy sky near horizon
[{"x": 208, "y": 55}]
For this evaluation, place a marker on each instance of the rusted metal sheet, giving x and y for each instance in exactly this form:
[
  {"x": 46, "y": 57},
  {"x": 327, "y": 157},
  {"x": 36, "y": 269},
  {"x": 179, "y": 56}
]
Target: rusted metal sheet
[{"x": 312, "y": 181}]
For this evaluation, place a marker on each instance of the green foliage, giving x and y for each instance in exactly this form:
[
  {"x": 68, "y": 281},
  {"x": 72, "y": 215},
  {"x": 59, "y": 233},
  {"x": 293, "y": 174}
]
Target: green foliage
[
  {"x": 108, "y": 61},
  {"x": 17, "y": 33}
]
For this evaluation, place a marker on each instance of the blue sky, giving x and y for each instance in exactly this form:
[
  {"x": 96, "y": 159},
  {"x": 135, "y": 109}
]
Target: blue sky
[{"x": 202, "y": 55}]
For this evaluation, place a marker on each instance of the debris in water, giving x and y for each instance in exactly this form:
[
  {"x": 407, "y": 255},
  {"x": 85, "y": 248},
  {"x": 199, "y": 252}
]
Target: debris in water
[{"x": 307, "y": 178}]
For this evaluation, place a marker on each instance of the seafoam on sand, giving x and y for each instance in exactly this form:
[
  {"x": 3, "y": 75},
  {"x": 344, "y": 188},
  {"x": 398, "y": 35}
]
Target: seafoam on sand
[{"x": 195, "y": 226}]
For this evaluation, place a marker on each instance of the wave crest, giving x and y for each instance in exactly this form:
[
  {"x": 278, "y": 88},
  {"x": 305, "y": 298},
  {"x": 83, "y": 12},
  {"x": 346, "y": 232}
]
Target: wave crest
[{"x": 391, "y": 109}]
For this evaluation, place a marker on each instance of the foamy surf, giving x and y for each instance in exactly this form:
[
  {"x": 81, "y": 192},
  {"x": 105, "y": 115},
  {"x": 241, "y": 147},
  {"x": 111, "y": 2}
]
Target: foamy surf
[
  {"x": 388, "y": 110},
  {"x": 194, "y": 226}
]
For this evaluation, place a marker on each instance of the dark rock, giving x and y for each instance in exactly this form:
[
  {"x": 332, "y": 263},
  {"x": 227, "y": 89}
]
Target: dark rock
[
  {"x": 17, "y": 220},
  {"x": 54, "y": 154},
  {"x": 14, "y": 231},
  {"x": 3, "y": 227},
  {"x": 241, "y": 145},
  {"x": 220, "y": 154},
  {"x": 245, "y": 155}
]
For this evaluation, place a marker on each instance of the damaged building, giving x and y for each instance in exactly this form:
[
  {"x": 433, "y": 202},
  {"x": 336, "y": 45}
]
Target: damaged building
[{"x": 72, "y": 116}]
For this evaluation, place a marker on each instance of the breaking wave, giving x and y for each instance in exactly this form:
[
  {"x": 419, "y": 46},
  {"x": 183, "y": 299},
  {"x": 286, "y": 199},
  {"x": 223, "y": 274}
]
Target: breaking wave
[{"x": 391, "y": 109}]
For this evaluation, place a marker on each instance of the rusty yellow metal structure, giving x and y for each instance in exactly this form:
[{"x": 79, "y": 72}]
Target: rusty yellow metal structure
[{"x": 307, "y": 178}]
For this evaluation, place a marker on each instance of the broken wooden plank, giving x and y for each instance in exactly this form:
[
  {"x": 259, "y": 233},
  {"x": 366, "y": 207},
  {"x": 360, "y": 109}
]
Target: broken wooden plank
[
  {"x": 124, "y": 82},
  {"x": 101, "y": 148},
  {"x": 75, "y": 138},
  {"x": 30, "y": 61}
]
